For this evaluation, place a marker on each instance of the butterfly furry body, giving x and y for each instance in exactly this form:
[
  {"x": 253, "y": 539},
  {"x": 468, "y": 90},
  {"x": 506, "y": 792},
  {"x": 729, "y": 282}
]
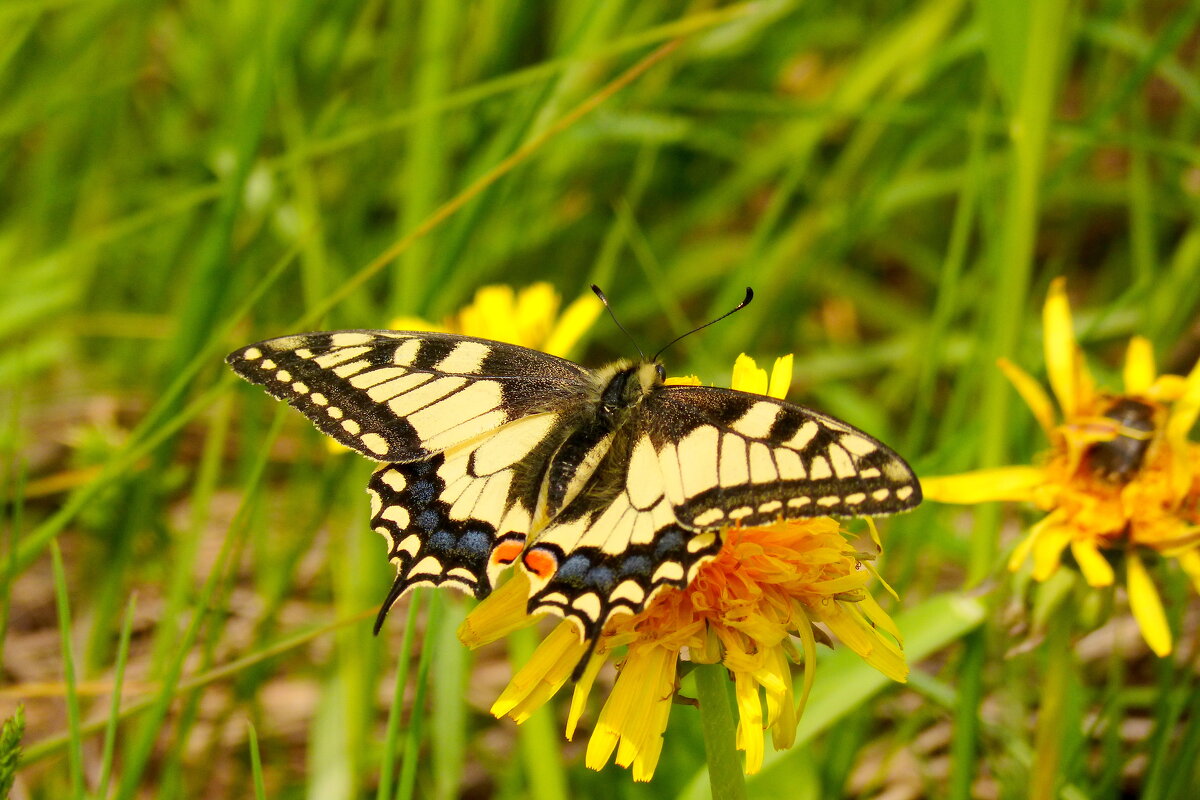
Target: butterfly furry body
[{"x": 604, "y": 486}]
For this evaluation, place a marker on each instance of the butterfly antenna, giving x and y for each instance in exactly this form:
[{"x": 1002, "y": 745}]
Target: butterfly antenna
[
  {"x": 604, "y": 300},
  {"x": 745, "y": 302}
]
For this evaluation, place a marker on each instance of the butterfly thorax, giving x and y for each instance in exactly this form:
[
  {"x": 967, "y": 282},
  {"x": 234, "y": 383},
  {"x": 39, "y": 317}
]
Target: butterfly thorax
[{"x": 595, "y": 433}]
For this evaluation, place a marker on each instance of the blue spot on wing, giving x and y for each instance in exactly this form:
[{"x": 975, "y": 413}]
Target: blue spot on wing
[
  {"x": 422, "y": 491},
  {"x": 475, "y": 542},
  {"x": 637, "y": 565},
  {"x": 574, "y": 568},
  {"x": 601, "y": 578}
]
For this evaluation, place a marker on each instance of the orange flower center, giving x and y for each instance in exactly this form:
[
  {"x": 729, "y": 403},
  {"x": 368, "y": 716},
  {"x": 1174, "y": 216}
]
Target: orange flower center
[{"x": 753, "y": 584}]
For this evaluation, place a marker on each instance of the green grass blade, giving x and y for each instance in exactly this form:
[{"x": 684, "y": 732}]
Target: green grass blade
[
  {"x": 114, "y": 714},
  {"x": 256, "y": 770},
  {"x": 75, "y": 750},
  {"x": 414, "y": 734},
  {"x": 391, "y": 738},
  {"x": 151, "y": 726},
  {"x": 448, "y": 707}
]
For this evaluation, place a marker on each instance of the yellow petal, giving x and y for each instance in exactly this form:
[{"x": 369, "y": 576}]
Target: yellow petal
[
  {"x": 635, "y": 714},
  {"x": 501, "y": 613},
  {"x": 540, "y": 679},
  {"x": 984, "y": 485},
  {"x": 683, "y": 380},
  {"x": 1047, "y": 550},
  {"x": 1167, "y": 388},
  {"x": 1092, "y": 563},
  {"x": 1020, "y": 553},
  {"x": 491, "y": 315},
  {"x": 1139, "y": 366},
  {"x": 1190, "y": 561},
  {"x": 887, "y": 587},
  {"x": 783, "y": 732},
  {"x": 572, "y": 324},
  {"x": 1085, "y": 384},
  {"x": 879, "y": 617},
  {"x": 1183, "y": 414},
  {"x": 1031, "y": 392},
  {"x": 781, "y": 377},
  {"x": 748, "y": 377},
  {"x": 809, "y": 642},
  {"x": 534, "y": 314},
  {"x": 1061, "y": 350},
  {"x": 750, "y": 721},
  {"x": 583, "y": 687},
  {"x": 1147, "y": 607},
  {"x": 852, "y": 629}
]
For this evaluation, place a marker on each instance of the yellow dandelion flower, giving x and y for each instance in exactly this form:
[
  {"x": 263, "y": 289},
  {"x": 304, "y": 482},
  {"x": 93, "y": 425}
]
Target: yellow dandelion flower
[
  {"x": 766, "y": 586},
  {"x": 1120, "y": 476},
  {"x": 529, "y": 317}
]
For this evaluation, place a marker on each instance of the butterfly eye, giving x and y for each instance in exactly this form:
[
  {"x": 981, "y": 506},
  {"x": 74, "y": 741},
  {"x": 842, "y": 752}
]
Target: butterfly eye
[{"x": 661, "y": 371}]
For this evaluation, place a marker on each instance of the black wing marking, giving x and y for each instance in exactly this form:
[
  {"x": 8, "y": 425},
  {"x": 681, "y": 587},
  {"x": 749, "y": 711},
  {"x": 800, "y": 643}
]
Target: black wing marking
[
  {"x": 617, "y": 544},
  {"x": 400, "y": 395},
  {"x": 735, "y": 458},
  {"x": 461, "y": 517}
]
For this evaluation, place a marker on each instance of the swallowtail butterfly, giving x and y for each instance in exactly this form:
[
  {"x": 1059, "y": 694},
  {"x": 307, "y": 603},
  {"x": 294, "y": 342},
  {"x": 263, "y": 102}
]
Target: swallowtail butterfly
[{"x": 605, "y": 486}]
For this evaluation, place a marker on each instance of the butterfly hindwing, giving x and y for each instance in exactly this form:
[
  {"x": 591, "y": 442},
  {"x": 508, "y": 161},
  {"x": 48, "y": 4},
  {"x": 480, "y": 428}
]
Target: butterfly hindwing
[
  {"x": 462, "y": 516},
  {"x": 399, "y": 396},
  {"x": 617, "y": 544}
]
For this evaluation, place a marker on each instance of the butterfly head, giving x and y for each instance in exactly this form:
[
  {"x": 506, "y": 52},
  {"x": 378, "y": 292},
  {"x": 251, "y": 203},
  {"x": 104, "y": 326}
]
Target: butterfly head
[{"x": 624, "y": 384}]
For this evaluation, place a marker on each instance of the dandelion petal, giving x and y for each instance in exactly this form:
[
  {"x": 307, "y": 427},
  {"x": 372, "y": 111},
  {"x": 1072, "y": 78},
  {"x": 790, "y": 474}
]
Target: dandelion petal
[
  {"x": 1061, "y": 352},
  {"x": 1147, "y": 607},
  {"x": 1139, "y": 366},
  {"x": 1095, "y": 567}
]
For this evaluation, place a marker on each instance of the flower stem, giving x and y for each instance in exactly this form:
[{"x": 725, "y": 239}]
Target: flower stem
[
  {"x": 1048, "y": 739},
  {"x": 716, "y": 721}
]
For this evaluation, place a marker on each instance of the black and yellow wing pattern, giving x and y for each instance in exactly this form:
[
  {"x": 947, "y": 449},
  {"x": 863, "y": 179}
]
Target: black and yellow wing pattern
[{"x": 606, "y": 486}]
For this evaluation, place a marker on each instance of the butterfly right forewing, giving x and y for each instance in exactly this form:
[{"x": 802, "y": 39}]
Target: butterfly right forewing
[{"x": 733, "y": 458}]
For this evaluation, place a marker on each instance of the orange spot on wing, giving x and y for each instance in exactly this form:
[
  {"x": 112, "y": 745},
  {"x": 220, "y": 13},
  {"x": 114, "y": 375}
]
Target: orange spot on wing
[
  {"x": 507, "y": 552},
  {"x": 540, "y": 563}
]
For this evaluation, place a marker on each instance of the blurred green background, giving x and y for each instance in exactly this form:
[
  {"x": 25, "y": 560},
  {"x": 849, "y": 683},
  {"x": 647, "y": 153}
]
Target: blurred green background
[{"x": 897, "y": 181}]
